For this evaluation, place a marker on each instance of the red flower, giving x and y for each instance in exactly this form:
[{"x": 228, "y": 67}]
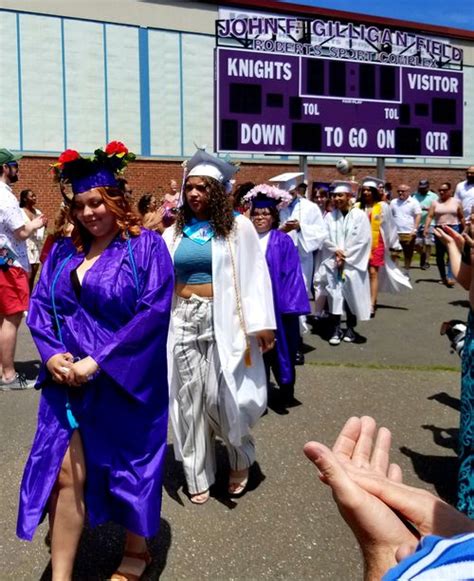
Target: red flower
[
  {"x": 68, "y": 155},
  {"x": 116, "y": 148}
]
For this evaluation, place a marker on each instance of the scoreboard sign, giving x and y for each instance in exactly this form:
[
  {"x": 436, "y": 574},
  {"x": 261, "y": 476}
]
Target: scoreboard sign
[{"x": 305, "y": 95}]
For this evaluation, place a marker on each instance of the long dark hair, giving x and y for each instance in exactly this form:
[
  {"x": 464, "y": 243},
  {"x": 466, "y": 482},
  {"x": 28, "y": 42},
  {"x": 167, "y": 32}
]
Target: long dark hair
[
  {"x": 221, "y": 215},
  {"x": 24, "y": 198},
  {"x": 376, "y": 196},
  {"x": 127, "y": 221}
]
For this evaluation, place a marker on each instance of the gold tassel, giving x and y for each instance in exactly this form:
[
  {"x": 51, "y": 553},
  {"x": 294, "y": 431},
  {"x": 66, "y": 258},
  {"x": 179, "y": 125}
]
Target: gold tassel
[{"x": 247, "y": 356}]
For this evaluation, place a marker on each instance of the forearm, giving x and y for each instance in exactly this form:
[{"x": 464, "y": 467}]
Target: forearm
[
  {"x": 377, "y": 563},
  {"x": 25, "y": 232}
]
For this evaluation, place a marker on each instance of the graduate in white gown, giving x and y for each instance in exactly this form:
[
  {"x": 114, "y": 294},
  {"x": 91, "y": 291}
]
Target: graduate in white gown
[
  {"x": 222, "y": 322},
  {"x": 384, "y": 274},
  {"x": 342, "y": 273},
  {"x": 303, "y": 222}
]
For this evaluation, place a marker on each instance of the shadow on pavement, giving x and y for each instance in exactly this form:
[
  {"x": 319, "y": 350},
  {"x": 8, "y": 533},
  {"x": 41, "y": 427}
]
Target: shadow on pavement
[
  {"x": 100, "y": 553},
  {"x": 459, "y": 303},
  {"x": 448, "y": 400},
  {"x": 432, "y": 280},
  {"x": 307, "y": 348},
  {"x": 391, "y": 307},
  {"x": 440, "y": 471},
  {"x": 445, "y": 437},
  {"x": 321, "y": 327}
]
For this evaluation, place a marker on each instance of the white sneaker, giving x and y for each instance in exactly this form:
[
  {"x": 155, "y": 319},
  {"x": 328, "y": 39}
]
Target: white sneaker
[
  {"x": 335, "y": 339},
  {"x": 18, "y": 382}
]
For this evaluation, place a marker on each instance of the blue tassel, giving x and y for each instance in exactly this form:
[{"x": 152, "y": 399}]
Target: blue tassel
[{"x": 70, "y": 417}]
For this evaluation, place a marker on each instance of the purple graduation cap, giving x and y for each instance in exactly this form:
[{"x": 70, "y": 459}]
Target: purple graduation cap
[{"x": 100, "y": 170}]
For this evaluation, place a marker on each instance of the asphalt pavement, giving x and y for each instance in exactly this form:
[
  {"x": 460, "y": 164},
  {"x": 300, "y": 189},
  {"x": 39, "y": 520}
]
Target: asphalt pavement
[{"x": 286, "y": 526}]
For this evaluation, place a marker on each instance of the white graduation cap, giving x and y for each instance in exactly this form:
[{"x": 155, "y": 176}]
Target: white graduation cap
[
  {"x": 287, "y": 181},
  {"x": 205, "y": 164},
  {"x": 344, "y": 187},
  {"x": 371, "y": 182}
]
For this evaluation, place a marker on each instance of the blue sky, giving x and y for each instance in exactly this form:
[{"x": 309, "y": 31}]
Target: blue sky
[{"x": 452, "y": 13}]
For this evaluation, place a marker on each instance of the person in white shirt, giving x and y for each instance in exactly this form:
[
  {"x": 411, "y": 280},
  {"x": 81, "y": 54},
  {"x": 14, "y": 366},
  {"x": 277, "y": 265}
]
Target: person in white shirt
[
  {"x": 28, "y": 207},
  {"x": 303, "y": 222},
  {"x": 407, "y": 215},
  {"x": 464, "y": 192},
  {"x": 14, "y": 269}
]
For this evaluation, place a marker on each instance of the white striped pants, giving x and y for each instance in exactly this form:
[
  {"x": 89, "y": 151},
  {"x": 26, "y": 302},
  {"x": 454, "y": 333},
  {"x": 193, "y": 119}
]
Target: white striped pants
[{"x": 200, "y": 384}]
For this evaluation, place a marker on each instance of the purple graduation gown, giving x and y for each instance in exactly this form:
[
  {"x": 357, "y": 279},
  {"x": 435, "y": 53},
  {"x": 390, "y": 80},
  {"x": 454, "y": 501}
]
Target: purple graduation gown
[
  {"x": 123, "y": 410},
  {"x": 289, "y": 297}
]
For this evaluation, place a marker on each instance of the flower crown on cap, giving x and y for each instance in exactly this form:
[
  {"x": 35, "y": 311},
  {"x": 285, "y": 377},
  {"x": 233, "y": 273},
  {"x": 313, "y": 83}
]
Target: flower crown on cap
[
  {"x": 85, "y": 173},
  {"x": 280, "y": 197}
]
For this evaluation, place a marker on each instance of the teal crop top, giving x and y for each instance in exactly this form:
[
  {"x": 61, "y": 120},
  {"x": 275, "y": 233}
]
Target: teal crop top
[{"x": 193, "y": 262}]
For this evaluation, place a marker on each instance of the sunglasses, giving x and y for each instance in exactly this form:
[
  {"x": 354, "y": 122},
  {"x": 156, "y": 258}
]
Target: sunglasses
[
  {"x": 443, "y": 190},
  {"x": 401, "y": 191},
  {"x": 190, "y": 188},
  {"x": 13, "y": 164}
]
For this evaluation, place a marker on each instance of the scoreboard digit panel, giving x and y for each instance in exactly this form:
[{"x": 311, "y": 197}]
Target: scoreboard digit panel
[{"x": 290, "y": 104}]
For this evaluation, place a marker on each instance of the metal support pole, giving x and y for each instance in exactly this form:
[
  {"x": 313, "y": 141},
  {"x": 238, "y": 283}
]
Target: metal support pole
[
  {"x": 381, "y": 168},
  {"x": 303, "y": 163},
  {"x": 304, "y": 166}
]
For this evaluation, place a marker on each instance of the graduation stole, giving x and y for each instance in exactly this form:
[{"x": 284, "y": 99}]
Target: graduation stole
[{"x": 376, "y": 217}]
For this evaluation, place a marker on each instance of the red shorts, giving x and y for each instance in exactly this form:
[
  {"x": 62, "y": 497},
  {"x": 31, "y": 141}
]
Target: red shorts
[
  {"x": 14, "y": 291},
  {"x": 377, "y": 258}
]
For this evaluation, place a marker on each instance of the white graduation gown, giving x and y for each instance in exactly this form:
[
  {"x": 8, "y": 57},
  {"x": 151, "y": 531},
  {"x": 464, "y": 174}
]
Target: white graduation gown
[
  {"x": 352, "y": 234},
  {"x": 391, "y": 278},
  {"x": 309, "y": 237},
  {"x": 246, "y": 396}
]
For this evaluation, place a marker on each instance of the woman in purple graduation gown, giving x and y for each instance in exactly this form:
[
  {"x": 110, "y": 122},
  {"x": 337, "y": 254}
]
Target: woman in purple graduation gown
[
  {"x": 99, "y": 317},
  {"x": 289, "y": 294}
]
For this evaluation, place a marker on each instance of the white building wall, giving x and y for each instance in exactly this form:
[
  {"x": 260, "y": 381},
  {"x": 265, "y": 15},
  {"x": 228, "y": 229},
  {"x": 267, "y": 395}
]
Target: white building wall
[{"x": 77, "y": 77}]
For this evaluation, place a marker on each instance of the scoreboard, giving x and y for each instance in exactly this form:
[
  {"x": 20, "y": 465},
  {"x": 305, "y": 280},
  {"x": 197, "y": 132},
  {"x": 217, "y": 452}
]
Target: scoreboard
[{"x": 300, "y": 104}]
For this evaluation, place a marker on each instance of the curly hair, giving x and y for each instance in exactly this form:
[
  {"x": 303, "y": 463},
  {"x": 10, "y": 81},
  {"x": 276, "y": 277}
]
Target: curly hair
[
  {"x": 221, "y": 214},
  {"x": 128, "y": 221}
]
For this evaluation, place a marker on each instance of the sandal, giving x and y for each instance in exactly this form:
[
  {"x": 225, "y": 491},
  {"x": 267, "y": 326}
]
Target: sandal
[
  {"x": 238, "y": 481},
  {"x": 199, "y": 497},
  {"x": 124, "y": 576}
]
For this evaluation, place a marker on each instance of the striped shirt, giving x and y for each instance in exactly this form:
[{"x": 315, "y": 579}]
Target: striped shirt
[{"x": 438, "y": 559}]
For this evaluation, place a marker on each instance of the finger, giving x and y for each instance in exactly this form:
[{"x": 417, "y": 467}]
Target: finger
[
  {"x": 266, "y": 347},
  {"x": 404, "y": 551},
  {"x": 450, "y": 231},
  {"x": 468, "y": 239},
  {"x": 380, "y": 459},
  {"x": 68, "y": 356},
  {"x": 345, "y": 443},
  {"x": 363, "y": 447},
  {"x": 395, "y": 473},
  {"x": 414, "y": 504},
  {"x": 345, "y": 491}
]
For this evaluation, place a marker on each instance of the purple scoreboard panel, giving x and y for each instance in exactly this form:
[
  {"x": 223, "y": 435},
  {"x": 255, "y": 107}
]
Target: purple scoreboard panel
[{"x": 297, "y": 104}]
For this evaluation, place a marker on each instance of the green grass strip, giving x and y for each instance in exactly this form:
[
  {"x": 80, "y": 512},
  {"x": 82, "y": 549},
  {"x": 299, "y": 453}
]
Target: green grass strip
[{"x": 389, "y": 367}]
